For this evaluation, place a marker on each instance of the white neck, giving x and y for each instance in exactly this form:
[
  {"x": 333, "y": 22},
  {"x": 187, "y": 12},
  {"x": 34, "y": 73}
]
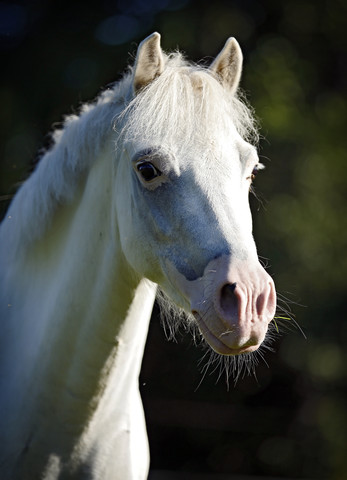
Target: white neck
[{"x": 73, "y": 385}]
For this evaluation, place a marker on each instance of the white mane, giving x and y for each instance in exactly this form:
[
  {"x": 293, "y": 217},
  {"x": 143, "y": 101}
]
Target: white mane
[{"x": 167, "y": 108}]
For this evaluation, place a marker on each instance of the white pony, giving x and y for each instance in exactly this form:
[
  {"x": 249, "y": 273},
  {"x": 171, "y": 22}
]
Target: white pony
[{"x": 147, "y": 186}]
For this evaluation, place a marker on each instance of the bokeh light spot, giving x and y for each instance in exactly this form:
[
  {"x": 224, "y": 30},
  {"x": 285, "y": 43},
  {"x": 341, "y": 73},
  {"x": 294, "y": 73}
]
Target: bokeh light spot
[
  {"x": 117, "y": 29},
  {"x": 12, "y": 19},
  {"x": 13, "y": 24}
]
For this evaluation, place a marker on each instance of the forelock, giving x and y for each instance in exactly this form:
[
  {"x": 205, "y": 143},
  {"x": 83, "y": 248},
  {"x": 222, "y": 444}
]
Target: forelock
[{"x": 185, "y": 102}]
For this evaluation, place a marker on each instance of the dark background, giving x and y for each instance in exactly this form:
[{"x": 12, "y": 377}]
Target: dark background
[{"x": 290, "y": 422}]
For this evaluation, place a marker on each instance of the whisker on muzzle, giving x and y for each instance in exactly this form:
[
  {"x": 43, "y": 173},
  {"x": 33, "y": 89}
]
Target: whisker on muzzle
[{"x": 232, "y": 367}]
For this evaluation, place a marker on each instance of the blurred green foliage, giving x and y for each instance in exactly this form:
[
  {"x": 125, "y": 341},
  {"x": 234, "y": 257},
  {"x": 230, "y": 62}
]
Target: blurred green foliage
[{"x": 292, "y": 423}]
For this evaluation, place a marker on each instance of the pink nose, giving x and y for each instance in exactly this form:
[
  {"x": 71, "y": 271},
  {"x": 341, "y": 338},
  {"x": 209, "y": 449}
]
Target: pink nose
[
  {"x": 237, "y": 301},
  {"x": 234, "y": 301},
  {"x": 246, "y": 308}
]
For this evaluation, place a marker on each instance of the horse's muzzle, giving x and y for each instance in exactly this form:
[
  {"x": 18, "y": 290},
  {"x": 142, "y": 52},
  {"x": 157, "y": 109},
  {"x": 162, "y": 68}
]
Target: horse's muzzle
[{"x": 233, "y": 303}]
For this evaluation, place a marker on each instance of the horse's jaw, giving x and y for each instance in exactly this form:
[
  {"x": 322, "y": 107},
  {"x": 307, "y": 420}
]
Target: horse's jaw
[{"x": 233, "y": 303}]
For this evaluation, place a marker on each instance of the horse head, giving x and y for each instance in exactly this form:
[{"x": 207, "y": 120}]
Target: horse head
[{"x": 185, "y": 171}]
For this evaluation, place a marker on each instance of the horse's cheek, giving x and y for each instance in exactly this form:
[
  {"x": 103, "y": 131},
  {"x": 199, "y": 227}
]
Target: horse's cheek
[{"x": 139, "y": 237}]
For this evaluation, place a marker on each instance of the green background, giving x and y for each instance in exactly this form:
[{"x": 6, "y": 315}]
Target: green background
[{"x": 290, "y": 422}]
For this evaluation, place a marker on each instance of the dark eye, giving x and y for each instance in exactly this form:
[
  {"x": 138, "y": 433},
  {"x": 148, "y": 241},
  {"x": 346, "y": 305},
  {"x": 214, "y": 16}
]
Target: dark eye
[
  {"x": 148, "y": 171},
  {"x": 254, "y": 172}
]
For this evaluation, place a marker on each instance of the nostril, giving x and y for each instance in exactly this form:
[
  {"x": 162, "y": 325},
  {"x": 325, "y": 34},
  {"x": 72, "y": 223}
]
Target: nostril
[
  {"x": 266, "y": 302},
  {"x": 228, "y": 299},
  {"x": 230, "y": 287},
  {"x": 260, "y": 304}
]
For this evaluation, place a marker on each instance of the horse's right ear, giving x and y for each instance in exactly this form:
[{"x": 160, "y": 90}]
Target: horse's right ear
[{"x": 149, "y": 62}]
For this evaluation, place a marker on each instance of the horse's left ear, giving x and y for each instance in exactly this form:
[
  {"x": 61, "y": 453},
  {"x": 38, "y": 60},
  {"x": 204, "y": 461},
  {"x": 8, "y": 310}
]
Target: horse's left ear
[
  {"x": 149, "y": 62},
  {"x": 228, "y": 65}
]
